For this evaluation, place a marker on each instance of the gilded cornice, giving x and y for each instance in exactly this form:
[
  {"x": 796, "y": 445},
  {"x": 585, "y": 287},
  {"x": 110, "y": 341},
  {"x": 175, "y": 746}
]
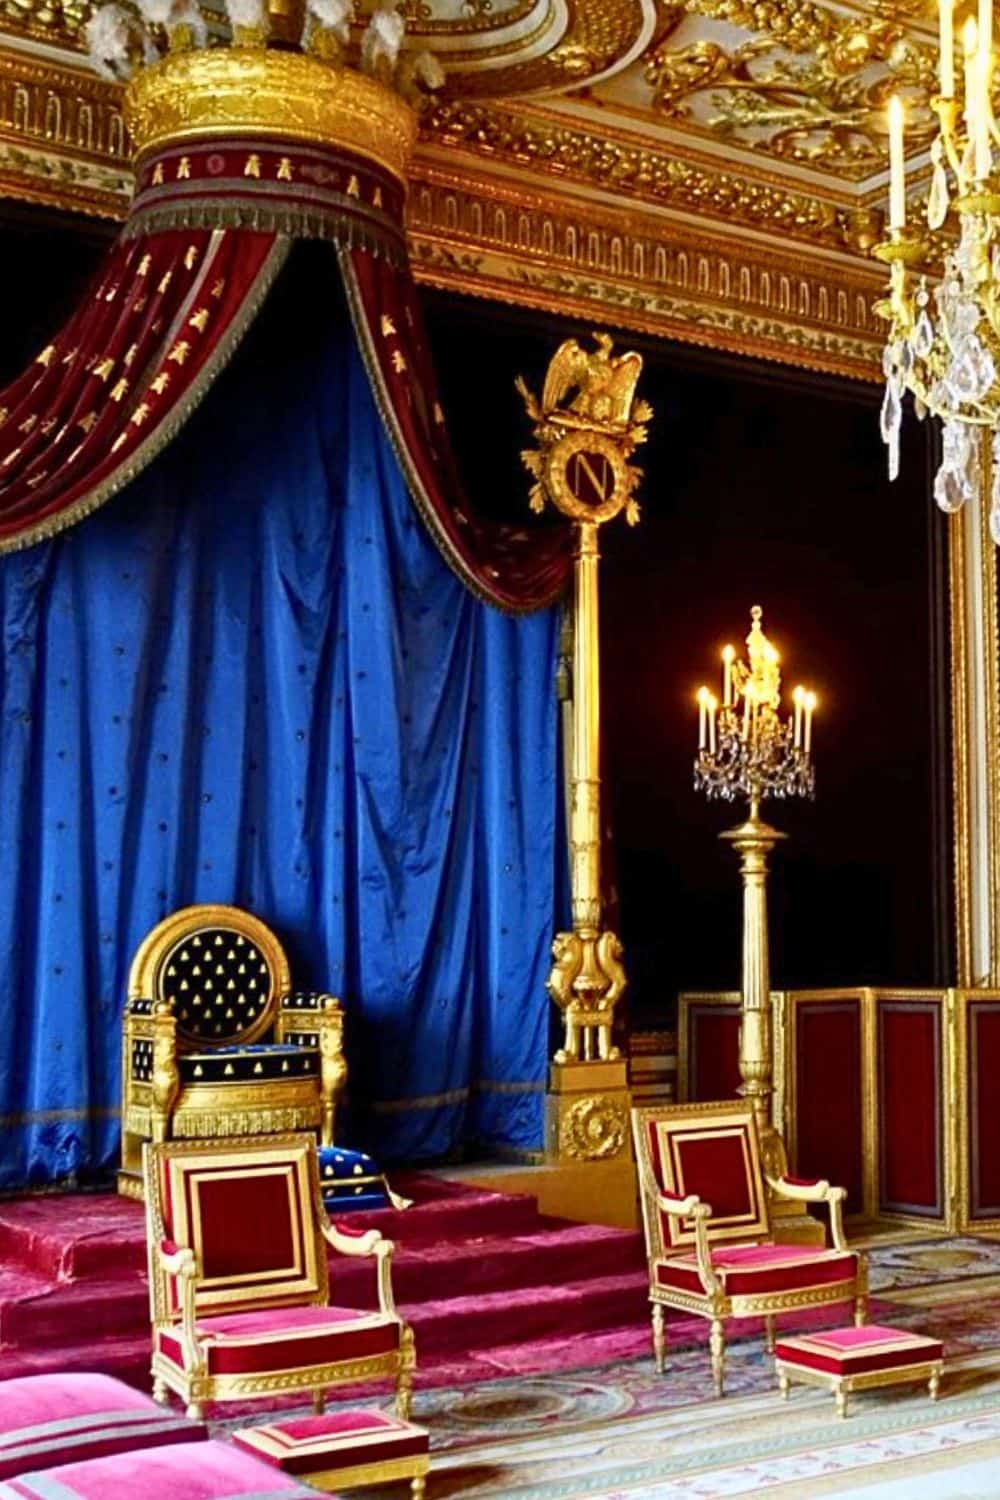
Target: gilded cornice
[
  {"x": 654, "y": 175},
  {"x": 495, "y": 240}
]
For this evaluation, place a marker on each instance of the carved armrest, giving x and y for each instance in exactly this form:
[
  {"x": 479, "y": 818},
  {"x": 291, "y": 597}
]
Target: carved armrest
[
  {"x": 365, "y": 1242},
  {"x": 815, "y": 1190},
  {"x": 181, "y": 1262},
  {"x": 317, "y": 1020}
]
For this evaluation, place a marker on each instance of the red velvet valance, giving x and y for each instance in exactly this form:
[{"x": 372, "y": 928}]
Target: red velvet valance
[{"x": 209, "y": 229}]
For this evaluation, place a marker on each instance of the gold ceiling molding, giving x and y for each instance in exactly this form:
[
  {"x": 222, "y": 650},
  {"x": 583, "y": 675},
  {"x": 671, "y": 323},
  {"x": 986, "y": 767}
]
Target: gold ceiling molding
[
  {"x": 496, "y": 241},
  {"x": 651, "y": 174},
  {"x": 62, "y": 139},
  {"x": 796, "y": 80}
]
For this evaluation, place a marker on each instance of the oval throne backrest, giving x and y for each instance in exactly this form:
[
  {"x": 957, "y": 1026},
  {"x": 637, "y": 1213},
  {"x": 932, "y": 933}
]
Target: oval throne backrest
[{"x": 221, "y": 970}]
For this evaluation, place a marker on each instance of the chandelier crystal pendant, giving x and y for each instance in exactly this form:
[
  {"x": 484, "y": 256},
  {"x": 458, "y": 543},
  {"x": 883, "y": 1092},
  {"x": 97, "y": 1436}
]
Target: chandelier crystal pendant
[{"x": 943, "y": 344}]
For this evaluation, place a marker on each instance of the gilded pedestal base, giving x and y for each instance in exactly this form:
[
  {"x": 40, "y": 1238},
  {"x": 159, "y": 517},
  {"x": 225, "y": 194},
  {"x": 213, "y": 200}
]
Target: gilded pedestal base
[{"x": 587, "y": 1112}]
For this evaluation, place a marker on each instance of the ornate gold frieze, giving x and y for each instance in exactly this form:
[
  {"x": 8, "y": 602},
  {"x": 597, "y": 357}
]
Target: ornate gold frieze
[
  {"x": 652, "y": 175},
  {"x": 661, "y": 277}
]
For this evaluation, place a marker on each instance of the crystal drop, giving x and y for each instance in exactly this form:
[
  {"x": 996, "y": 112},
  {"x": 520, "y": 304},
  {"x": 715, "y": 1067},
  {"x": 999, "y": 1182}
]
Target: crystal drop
[
  {"x": 948, "y": 491},
  {"x": 889, "y": 361},
  {"x": 919, "y": 409},
  {"x": 923, "y": 336},
  {"x": 892, "y": 412},
  {"x": 937, "y": 198},
  {"x": 972, "y": 370},
  {"x": 893, "y": 445},
  {"x": 956, "y": 448}
]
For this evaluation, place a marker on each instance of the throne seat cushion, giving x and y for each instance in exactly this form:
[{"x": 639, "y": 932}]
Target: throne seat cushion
[
  {"x": 184, "y": 1471},
  {"x": 280, "y": 1338},
  {"x": 47, "y": 1420},
  {"x": 351, "y": 1180},
  {"x": 758, "y": 1270},
  {"x": 259, "y": 1062}
]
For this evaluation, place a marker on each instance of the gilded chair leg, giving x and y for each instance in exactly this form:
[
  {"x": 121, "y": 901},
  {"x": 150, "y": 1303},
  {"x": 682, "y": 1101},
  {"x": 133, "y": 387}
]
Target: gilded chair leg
[
  {"x": 404, "y": 1377},
  {"x": 659, "y": 1338},
  {"x": 861, "y": 1310},
  {"x": 717, "y": 1345},
  {"x": 195, "y": 1412},
  {"x": 934, "y": 1384},
  {"x": 841, "y": 1398},
  {"x": 161, "y": 1394},
  {"x": 419, "y": 1487},
  {"x": 769, "y": 1334},
  {"x": 784, "y": 1385},
  {"x": 319, "y": 1403}
]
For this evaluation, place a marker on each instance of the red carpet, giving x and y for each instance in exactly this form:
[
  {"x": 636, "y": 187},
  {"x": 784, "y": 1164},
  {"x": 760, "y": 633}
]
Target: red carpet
[{"x": 491, "y": 1286}]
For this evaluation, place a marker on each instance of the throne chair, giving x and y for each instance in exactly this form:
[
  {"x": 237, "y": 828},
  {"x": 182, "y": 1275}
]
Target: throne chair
[
  {"x": 706, "y": 1217},
  {"x": 217, "y": 1044},
  {"x": 239, "y": 1283}
]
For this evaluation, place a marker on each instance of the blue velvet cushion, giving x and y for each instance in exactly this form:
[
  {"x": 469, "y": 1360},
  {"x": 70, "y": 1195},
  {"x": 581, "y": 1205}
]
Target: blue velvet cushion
[{"x": 350, "y": 1179}]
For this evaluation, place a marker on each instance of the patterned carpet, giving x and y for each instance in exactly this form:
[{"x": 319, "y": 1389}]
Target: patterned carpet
[{"x": 622, "y": 1433}]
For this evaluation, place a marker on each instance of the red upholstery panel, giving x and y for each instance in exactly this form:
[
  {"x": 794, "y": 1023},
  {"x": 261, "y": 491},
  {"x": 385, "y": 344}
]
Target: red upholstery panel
[
  {"x": 910, "y": 1134},
  {"x": 984, "y": 1117},
  {"x": 338, "y": 1440},
  {"x": 853, "y": 1351},
  {"x": 286, "y": 1338},
  {"x": 248, "y": 1216},
  {"x": 716, "y": 1167},
  {"x": 755, "y": 1270},
  {"x": 713, "y": 1052},
  {"x": 249, "y": 1224},
  {"x": 184, "y": 1471},
  {"x": 47, "y": 1420},
  {"x": 828, "y": 1140}
]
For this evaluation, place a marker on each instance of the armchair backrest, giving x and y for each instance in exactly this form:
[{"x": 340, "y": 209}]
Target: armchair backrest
[
  {"x": 221, "y": 970},
  {"x": 248, "y": 1209},
  {"x": 708, "y": 1149}
]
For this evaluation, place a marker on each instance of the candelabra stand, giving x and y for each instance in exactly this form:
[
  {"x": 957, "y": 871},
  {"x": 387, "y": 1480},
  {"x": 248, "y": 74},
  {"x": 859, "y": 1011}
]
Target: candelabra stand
[
  {"x": 746, "y": 749},
  {"x": 587, "y": 424}
]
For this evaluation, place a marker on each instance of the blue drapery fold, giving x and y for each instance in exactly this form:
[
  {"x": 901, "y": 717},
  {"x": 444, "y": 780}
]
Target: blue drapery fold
[{"x": 252, "y": 679}]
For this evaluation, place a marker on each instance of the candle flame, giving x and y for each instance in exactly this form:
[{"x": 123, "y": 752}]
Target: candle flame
[
  {"x": 970, "y": 38},
  {"x": 811, "y": 701},
  {"x": 896, "y": 109},
  {"x": 728, "y": 654}
]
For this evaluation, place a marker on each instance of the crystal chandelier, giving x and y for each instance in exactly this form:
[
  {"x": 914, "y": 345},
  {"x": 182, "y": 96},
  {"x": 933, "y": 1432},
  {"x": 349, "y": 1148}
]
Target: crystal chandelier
[{"x": 944, "y": 336}]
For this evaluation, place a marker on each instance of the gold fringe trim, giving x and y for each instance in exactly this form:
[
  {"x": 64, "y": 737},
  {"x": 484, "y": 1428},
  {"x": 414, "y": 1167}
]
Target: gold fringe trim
[
  {"x": 452, "y": 556},
  {"x": 343, "y": 227},
  {"x": 172, "y": 423}
]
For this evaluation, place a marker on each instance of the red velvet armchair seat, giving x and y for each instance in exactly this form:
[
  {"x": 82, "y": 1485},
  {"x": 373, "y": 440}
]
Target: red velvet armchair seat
[
  {"x": 239, "y": 1283},
  {"x": 708, "y": 1231}
]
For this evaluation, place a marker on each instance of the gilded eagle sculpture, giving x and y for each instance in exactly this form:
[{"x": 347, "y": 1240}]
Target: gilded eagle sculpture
[
  {"x": 587, "y": 426},
  {"x": 604, "y": 384}
]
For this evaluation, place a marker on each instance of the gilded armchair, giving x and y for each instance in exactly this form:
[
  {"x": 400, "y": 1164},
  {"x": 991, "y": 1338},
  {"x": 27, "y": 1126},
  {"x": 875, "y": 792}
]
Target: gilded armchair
[
  {"x": 239, "y": 1282},
  {"x": 707, "y": 1222},
  {"x": 216, "y": 1044}
]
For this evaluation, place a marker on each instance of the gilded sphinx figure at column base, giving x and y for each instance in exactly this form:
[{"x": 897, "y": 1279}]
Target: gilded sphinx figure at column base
[{"x": 586, "y": 982}]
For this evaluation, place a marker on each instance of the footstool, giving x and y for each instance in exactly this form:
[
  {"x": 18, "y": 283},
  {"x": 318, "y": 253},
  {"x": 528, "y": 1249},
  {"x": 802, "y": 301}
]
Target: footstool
[
  {"x": 858, "y": 1359},
  {"x": 343, "y": 1450},
  {"x": 47, "y": 1420}
]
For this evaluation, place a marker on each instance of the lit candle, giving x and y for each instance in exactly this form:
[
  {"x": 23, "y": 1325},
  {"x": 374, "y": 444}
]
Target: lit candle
[
  {"x": 810, "y": 704},
  {"x": 986, "y": 26},
  {"x": 702, "y": 717},
  {"x": 969, "y": 45},
  {"x": 984, "y": 68},
  {"x": 797, "y": 700},
  {"x": 727, "y": 676},
  {"x": 897, "y": 170},
  {"x": 947, "y": 49},
  {"x": 747, "y": 696},
  {"x": 713, "y": 704}
]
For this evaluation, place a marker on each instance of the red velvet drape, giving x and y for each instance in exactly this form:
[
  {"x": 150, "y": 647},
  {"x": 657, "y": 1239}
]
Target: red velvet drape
[{"x": 177, "y": 291}]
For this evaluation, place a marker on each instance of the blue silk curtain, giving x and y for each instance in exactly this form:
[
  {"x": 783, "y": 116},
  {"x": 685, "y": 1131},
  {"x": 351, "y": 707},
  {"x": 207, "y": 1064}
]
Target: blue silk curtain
[{"x": 252, "y": 679}]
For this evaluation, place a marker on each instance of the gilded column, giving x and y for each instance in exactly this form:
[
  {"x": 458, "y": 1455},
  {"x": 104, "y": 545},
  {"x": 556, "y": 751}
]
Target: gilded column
[{"x": 587, "y": 425}]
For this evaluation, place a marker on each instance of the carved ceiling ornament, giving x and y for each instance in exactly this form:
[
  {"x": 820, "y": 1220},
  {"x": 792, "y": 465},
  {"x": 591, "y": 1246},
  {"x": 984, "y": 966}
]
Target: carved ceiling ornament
[{"x": 793, "y": 79}]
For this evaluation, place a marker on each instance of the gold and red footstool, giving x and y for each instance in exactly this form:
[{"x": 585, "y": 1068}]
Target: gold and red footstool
[
  {"x": 343, "y": 1450},
  {"x": 859, "y": 1359}
]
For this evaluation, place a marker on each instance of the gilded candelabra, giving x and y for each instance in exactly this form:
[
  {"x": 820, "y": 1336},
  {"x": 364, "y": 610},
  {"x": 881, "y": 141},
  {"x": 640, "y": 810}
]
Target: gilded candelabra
[
  {"x": 943, "y": 343},
  {"x": 587, "y": 425},
  {"x": 747, "y": 749}
]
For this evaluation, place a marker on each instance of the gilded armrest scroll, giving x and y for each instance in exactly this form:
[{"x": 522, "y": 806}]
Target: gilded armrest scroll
[
  {"x": 366, "y": 1244},
  {"x": 690, "y": 1207},
  {"x": 819, "y": 1191},
  {"x": 180, "y": 1261}
]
